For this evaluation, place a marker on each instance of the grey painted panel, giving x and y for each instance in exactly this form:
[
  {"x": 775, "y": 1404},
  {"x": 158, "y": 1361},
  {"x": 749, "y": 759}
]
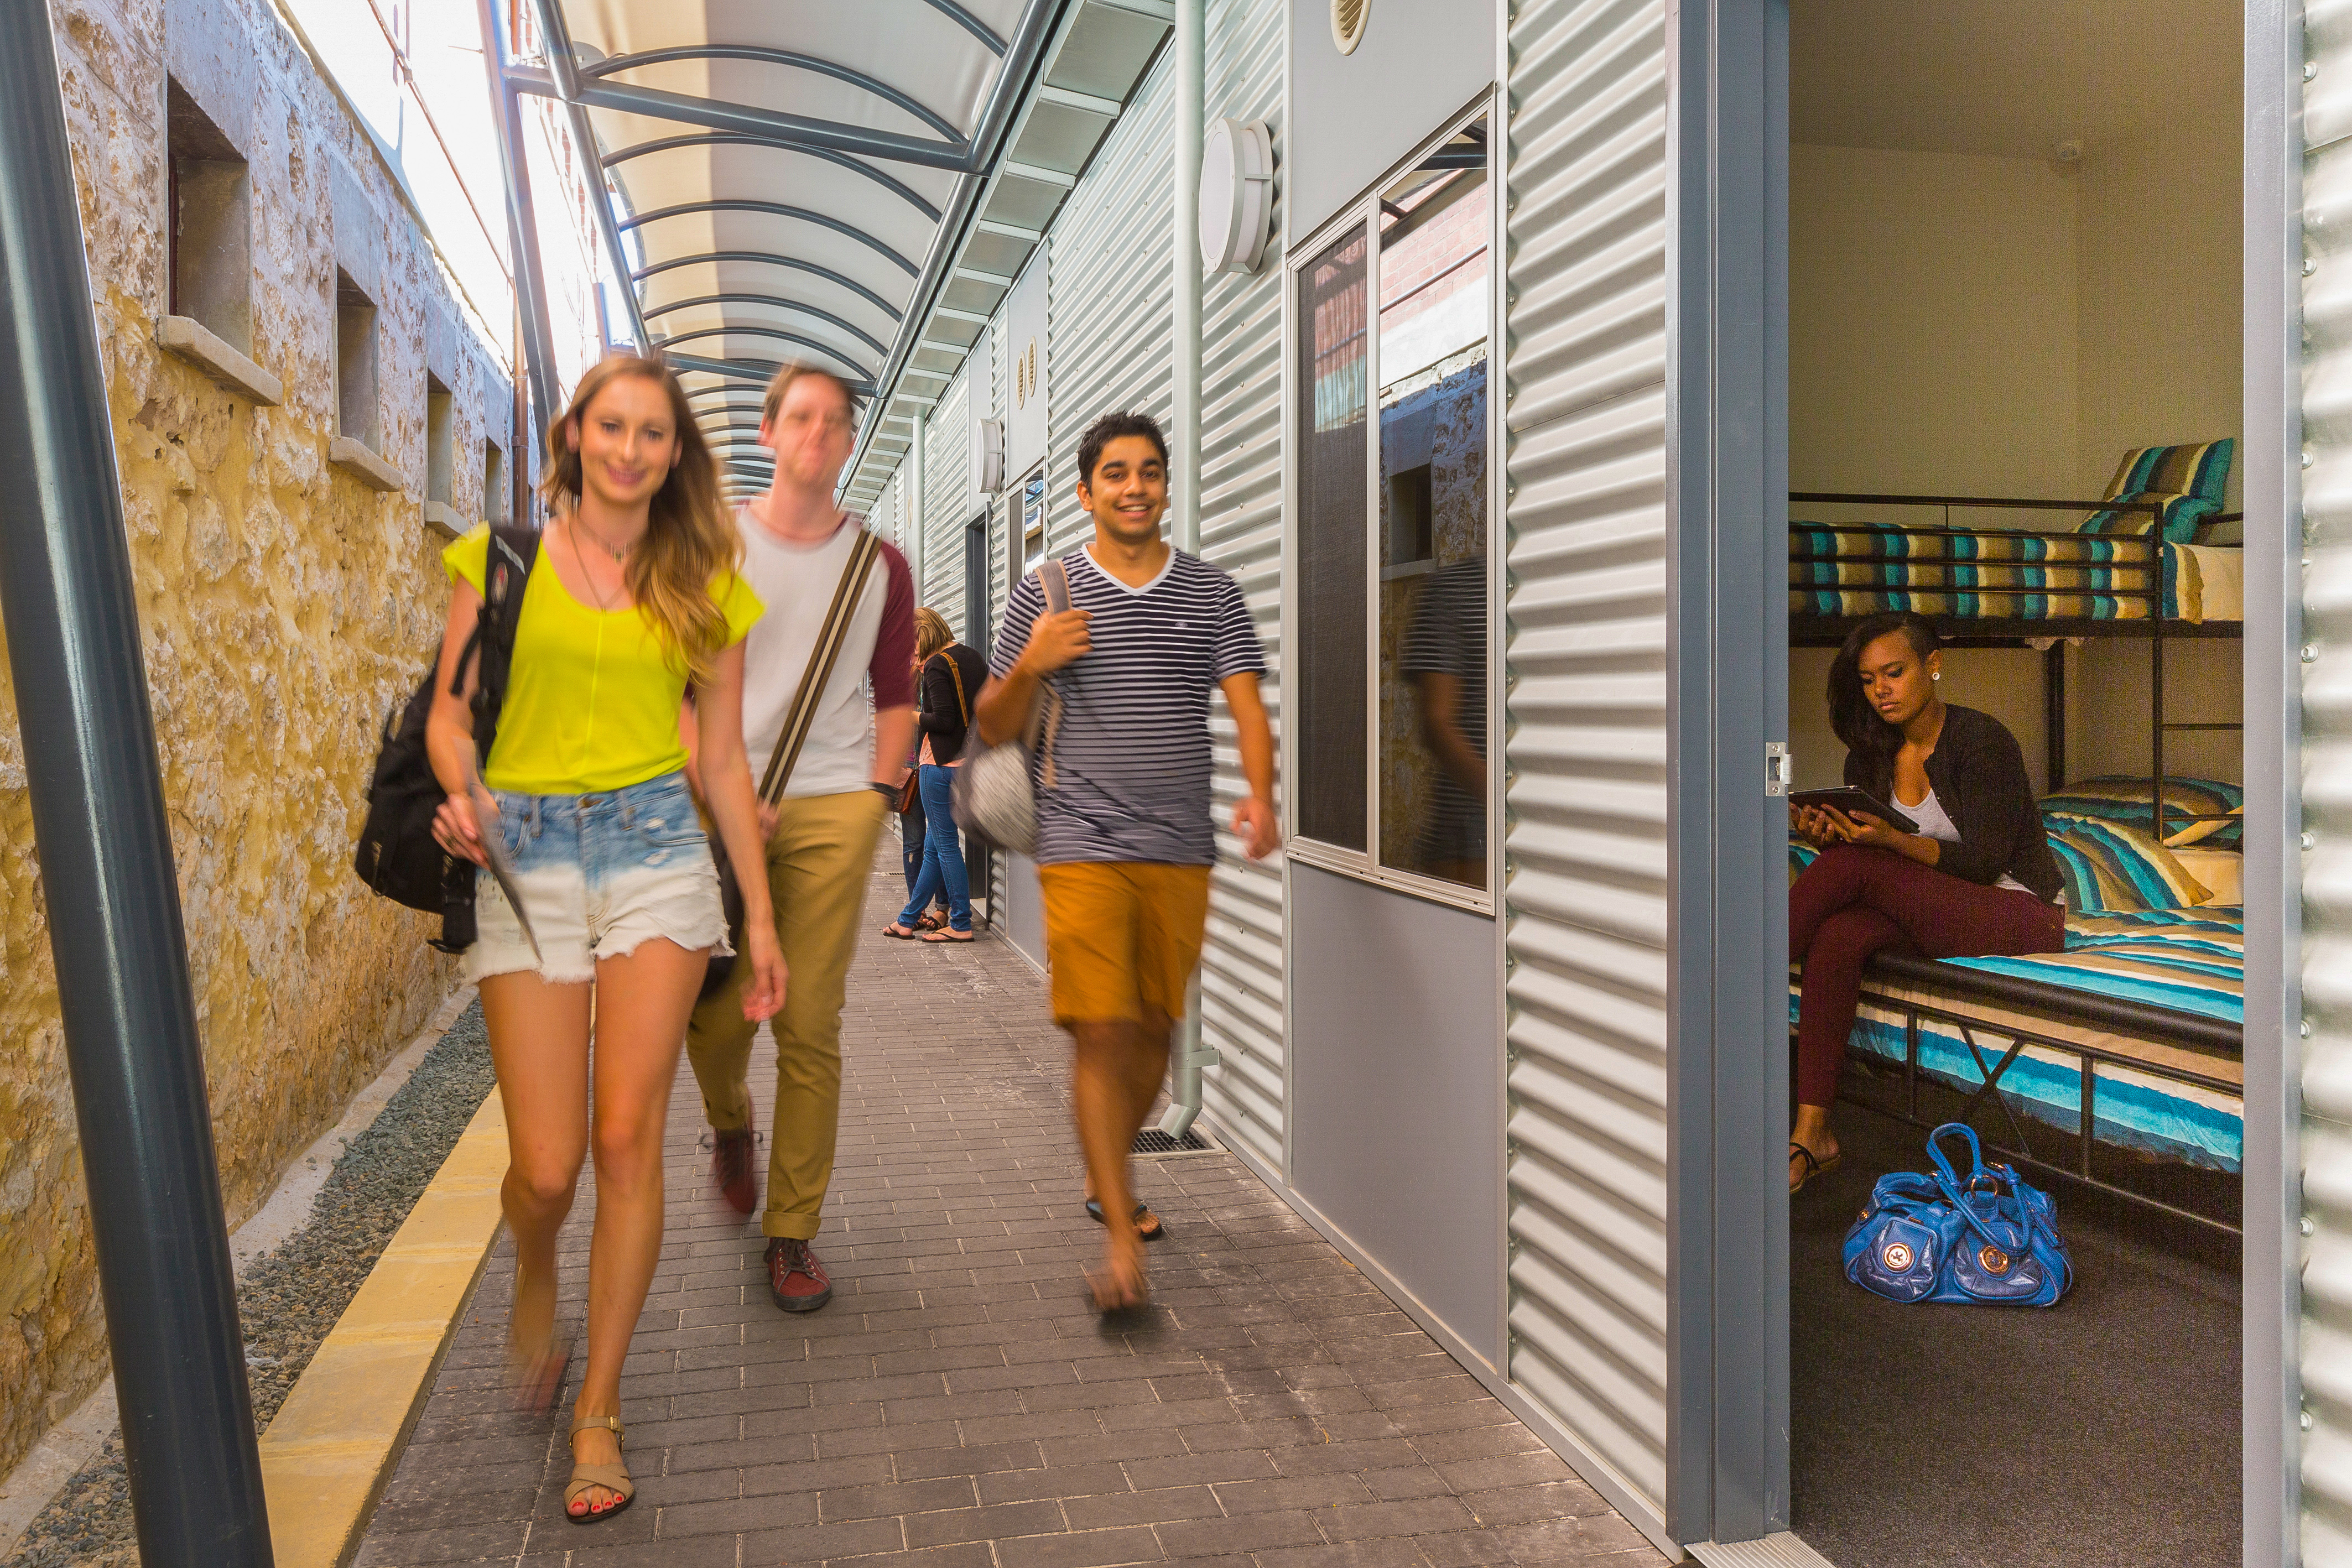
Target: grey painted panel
[
  {"x": 1397, "y": 1072},
  {"x": 1027, "y": 366},
  {"x": 1353, "y": 116},
  {"x": 1025, "y": 906}
]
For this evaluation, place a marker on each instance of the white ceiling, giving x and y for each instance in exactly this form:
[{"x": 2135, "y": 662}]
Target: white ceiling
[{"x": 2006, "y": 78}]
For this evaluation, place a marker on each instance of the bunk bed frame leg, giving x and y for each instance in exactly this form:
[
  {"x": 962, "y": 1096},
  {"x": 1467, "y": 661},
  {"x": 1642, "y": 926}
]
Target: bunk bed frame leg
[
  {"x": 2156, "y": 712},
  {"x": 2053, "y": 713}
]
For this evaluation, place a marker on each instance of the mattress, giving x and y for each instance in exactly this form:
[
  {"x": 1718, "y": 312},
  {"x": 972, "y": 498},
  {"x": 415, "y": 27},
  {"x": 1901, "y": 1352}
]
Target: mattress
[
  {"x": 2189, "y": 961},
  {"x": 2087, "y": 576}
]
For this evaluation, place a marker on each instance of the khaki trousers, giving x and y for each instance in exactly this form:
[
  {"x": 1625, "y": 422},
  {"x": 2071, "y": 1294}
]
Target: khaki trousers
[{"x": 817, "y": 864}]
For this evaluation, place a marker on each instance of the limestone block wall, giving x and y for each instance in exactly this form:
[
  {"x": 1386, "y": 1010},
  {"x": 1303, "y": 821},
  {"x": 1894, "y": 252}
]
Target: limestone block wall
[{"x": 286, "y": 607}]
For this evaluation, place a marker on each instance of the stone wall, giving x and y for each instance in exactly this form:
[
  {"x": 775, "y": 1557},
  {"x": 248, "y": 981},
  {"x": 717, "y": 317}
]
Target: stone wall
[{"x": 286, "y": 607}]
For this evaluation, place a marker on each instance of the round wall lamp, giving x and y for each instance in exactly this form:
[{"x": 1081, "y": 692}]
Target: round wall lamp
[{"x": 1236, "y": 195}]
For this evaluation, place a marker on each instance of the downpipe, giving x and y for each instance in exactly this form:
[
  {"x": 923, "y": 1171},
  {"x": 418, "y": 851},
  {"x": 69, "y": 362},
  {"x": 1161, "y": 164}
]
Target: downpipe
[{"x": 1190, "y": 1055}]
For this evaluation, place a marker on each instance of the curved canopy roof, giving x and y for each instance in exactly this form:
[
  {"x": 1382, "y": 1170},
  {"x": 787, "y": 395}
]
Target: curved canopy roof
[{"x": 801, "y": 179}]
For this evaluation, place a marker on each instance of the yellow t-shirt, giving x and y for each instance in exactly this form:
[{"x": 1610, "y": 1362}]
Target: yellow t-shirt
[{"x": 591, "y": 701}]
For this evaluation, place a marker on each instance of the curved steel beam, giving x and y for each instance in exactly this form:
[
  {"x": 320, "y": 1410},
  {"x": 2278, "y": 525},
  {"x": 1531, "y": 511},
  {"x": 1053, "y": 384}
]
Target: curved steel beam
[
  {"x": 777, "y": 209},
  {"x": 773, "y": 125},
  {"x": 768, "y": 259},
  {"x": 897, "y": 188},
  {"x": 757, "y": 373},
  {"x": 970, "y": 24},
  {"x": 777, "y": 332},
  {"x": 764, "y": 56},
  {"x": 827, "y": 317}
]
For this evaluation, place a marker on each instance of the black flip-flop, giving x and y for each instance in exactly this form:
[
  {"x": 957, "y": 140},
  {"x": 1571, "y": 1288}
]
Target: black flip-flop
[
  {"x": 1142, "y": 1213},
  {"x": 1813, "y": 1168},
  {"x": 899, "y": 933}
]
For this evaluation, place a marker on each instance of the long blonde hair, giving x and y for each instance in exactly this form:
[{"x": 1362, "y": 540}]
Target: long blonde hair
[
  {"x": 690, "y": 539},
  {"x": 932, "y": 632}
]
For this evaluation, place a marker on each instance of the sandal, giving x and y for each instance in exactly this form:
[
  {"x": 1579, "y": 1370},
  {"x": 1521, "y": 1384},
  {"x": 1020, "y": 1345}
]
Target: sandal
[
  {"x": 931, "y": 921},
  {"x": 613, "y": 1478},
  {"x": 1813, "y": 1168},
  {"x": 1147, "y": 1224},
  {"x": 900, "y": 933},
  {"x": 948, "y": 934}
]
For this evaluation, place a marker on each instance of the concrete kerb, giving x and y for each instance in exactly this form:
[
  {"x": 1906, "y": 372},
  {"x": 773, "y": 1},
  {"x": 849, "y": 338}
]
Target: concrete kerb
[
  {"x": 335, "y": 1442},
  {"x": 73, "y": 1442}
]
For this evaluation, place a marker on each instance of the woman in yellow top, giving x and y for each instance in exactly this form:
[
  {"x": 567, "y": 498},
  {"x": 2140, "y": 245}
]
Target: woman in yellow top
[{"x": 635, "y": 593}]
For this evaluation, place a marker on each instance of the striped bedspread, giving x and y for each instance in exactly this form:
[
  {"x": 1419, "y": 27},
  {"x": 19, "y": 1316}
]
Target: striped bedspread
[
  {"x": 2091, "y": 577},
  {"x": 2189, "y": 960}
]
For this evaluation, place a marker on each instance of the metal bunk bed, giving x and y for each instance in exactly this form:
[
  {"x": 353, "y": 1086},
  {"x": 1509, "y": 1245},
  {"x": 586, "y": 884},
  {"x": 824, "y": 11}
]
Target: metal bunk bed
[{"x": 2114, "y": 585}]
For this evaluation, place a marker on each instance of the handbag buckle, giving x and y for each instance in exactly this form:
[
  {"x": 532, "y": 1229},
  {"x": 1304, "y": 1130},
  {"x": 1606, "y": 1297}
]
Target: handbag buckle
[{"x": 1994, "y": 1260}]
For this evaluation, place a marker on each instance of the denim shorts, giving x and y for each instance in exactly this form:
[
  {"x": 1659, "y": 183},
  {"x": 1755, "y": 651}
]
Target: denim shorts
[{"x": 598, "y": 874}]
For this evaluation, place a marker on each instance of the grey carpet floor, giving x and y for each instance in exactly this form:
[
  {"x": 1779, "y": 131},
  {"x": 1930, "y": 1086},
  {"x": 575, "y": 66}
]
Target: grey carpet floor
[{"x": 2103, "y": 1431}]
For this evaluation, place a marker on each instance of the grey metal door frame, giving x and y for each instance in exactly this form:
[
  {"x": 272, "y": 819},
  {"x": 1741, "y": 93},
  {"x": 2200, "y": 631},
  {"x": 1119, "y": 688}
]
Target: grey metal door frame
[
  {"x": 1727, "y": 383},
  {"x": 1726, "y": 333}
]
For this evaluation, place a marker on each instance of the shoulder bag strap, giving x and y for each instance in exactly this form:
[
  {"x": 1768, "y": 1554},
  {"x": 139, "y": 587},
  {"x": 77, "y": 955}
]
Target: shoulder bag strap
[
  {"x": 1054, "y": 576},
  {"x": 956, "y": 670},
  {"x": 822, "y": 658}
]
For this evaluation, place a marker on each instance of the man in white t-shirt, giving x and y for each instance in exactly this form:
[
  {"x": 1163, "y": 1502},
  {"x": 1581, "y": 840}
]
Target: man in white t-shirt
[{"x": 796, "y": 544}]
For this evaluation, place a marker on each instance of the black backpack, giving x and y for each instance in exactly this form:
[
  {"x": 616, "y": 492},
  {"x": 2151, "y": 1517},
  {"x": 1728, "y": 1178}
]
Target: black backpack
[{"x": 397, "y": 856}]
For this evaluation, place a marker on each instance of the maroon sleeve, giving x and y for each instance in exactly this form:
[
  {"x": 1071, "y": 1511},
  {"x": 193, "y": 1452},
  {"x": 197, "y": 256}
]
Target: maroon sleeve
[{"x": 891, "y": 670}]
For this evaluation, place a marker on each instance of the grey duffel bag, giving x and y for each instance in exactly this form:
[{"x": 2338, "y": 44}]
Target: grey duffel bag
[{"x": 994, "y": 793}]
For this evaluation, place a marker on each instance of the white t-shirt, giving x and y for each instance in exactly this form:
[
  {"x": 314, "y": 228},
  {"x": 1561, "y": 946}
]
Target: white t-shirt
[
  {"x": 797, "y": 582},
  {"x": 1935, "y": 823}
]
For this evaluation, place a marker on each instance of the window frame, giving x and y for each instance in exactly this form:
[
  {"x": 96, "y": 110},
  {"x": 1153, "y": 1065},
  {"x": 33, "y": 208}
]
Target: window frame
[{"x": 1362, "y": 213}]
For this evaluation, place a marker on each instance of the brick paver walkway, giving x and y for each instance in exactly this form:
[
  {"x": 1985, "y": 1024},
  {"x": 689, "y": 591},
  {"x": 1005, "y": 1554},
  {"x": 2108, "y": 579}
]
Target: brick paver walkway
[{"x": 959, "y": 1405}]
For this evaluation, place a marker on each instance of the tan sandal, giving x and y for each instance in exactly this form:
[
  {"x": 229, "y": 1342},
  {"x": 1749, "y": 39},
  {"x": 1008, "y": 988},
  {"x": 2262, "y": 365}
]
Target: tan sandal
[{"x": 613, "y": 1478}]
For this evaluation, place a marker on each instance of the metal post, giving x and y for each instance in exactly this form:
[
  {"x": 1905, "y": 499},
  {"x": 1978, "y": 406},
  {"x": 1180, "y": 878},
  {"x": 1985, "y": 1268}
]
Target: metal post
[
  {"x": 105, "y": 847},
  {"x": 1190, "y": 1055},
  {"x": 522, "y": 225}
]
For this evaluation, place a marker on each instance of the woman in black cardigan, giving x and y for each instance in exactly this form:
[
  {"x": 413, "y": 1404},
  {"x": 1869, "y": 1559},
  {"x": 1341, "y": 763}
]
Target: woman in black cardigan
[
  {"x": 952, "y": 677},
  {"x": 1976, "y": 879}
]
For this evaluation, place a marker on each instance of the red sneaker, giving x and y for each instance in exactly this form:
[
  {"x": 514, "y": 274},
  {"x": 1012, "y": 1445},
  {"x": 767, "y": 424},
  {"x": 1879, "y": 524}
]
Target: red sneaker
[
  {"x": 731, "y": 1168},
  {"x": 796, "y": 1279}
]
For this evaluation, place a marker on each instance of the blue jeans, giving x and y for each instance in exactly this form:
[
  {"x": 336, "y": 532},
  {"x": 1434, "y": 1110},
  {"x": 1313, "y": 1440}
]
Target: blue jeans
[{"x": 943, "y": 855}]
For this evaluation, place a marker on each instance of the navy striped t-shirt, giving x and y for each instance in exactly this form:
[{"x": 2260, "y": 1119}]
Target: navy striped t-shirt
[{"x": 1132, "y": 757}]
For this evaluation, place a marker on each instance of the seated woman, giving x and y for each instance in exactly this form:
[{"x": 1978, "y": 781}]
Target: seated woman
[{"x": 1978, "y": 878}]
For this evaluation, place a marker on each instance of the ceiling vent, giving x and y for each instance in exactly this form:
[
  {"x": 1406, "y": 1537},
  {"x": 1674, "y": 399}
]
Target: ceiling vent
[{"x": 1347, "y": 23}]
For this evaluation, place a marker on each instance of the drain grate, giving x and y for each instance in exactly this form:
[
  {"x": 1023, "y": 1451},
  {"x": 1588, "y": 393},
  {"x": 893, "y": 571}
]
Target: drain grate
[{"x": 1151, "y": 1140}]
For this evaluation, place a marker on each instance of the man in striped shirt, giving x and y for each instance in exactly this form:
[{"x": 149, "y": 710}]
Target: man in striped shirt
[{"x": 1124, "y": 836}]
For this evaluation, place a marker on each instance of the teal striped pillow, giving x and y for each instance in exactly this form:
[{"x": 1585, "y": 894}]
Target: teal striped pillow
[{"x": 2112, "y": 868}]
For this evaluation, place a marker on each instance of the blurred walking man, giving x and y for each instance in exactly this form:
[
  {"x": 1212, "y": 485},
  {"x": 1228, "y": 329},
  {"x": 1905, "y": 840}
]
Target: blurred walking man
[
  {"x": 797, "y": 546},
  {"x": 1124, "y": 836}
]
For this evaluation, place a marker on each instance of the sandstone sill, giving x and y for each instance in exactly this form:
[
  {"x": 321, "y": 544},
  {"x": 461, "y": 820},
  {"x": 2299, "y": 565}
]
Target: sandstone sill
[
  {"x": 193, "y": 342},
  {"x": 357, "y": 458},
  {"x": 444, "y": 520}
]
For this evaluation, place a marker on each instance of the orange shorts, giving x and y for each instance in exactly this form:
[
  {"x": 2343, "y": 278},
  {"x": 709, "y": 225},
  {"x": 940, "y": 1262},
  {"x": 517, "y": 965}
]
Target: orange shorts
[{"x": 1122, "y": 937}]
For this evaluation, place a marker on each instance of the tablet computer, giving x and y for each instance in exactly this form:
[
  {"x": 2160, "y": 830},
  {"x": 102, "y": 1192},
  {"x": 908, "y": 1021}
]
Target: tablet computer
[{"x": 1854, "y": 802}]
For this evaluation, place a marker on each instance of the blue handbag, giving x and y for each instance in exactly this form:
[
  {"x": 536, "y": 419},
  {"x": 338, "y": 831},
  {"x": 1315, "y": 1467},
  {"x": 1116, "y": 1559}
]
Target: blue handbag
[{"x": 1989, "y": 1240}]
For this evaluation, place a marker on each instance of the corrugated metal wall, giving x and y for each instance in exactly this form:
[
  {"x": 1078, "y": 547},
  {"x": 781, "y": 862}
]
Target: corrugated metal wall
[
  {"x": 1110, "y": 295},
  {"x": 884, "y": 518},
  {"x": 1241, "y": 530},
  {"x": 948, "y": 499},
  {"x": 2327, "y": 954},
  {"x": 1111, "y": 307},
  {"x": 1585, "y": 753}
]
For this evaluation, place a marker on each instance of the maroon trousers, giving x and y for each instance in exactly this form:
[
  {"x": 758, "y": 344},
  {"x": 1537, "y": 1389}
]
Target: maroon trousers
[{"x": 1856, "y": 900}]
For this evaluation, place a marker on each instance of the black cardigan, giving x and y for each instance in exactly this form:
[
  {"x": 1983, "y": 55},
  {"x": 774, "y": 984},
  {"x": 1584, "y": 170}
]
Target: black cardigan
[
  {"x": 1978, "y": 776},
  {"x": 938, "y": 714}
]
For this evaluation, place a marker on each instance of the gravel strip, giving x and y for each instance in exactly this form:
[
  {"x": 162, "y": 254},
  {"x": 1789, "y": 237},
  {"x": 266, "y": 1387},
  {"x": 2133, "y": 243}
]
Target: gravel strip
[{"x": 291, "y": 1297}]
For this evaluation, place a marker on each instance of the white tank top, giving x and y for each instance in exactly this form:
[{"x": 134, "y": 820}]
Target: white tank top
[{"x": 1935, "y": 823}]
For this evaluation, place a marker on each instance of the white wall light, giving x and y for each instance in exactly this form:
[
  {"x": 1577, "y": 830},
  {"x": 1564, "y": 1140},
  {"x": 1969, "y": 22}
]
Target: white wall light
[
  {"x": 1236, "y": 195},
  {"x": 991, "y": 456}
]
